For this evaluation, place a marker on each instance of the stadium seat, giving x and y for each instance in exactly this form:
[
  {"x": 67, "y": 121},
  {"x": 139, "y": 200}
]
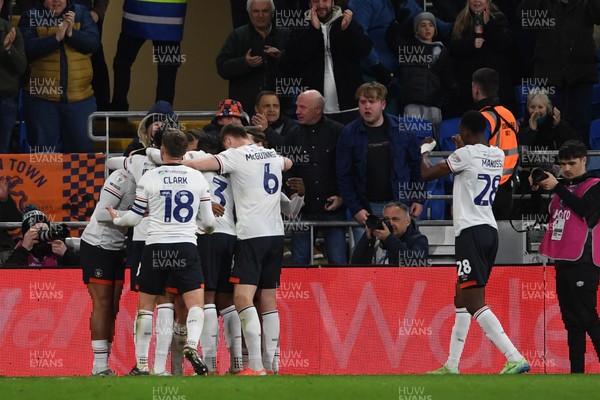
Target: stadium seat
[
  {"x": 420, "y": 127},
  {"x": 595, "y": 134},
  {"x": 596, "y": 101},
  {"x": 434, "y": 209},
  {"x": 448, "y": 128}
]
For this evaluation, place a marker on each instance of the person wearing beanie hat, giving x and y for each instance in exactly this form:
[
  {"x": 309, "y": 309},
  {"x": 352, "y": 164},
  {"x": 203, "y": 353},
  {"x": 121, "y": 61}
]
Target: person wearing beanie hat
[
  {"x": 32, "y": 251},
  {"x": 425, "y": 73},
  {"x": 425, "y": 15},
  {"x": 159, "y": 114}
]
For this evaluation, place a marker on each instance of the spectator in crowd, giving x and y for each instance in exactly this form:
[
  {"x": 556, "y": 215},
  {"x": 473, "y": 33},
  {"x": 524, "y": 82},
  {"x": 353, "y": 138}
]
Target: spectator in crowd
[
  {"x": 425, "y": 72},
  {"x": 157, "y": 116},
  {"x": 376, "y": 161},
  {"x": 250, "y": 56},
  {"x": 42, "y": 244},
  {"x": 564, "y": 56},
  {"x": 571, "y": 241},
  {"x": 59, "y": 41},
  {"x": 230, "y": 111},
  {"x": 270, "y": 120},
  {"x": 501, "y": 132},
  {"x": 492, "y": 46},
  {"x": 326, "y": 55},
  {"x": 100, "y": 80},
  {"x": 312, "y": 147},
  {"x": 542, "y": 129},
  {"x": 239, "y": 15},
  {"x": 8, "y": 213},
  {"x": 13, "y": 64},
  {"x": 393, "y": 240},
  {"x": 162, "y": 22}
]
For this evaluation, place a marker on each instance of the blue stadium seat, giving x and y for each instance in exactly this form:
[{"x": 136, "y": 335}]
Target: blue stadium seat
[
  {"x": 595, "y": 134},
  {"x": 596, "y": 101},
  {"x": 448, "y": 128},
  {"x": 434, "y": 209},
  {"x": 420, "y": 127}
]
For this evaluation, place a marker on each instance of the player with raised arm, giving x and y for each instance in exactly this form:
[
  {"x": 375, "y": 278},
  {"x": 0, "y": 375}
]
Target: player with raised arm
[
  {"x": 103, "y": 264},
  {"x": 256, "y": 177},
  {"x": 477, "y": 169},
  {"x": 175, "y": 196}
]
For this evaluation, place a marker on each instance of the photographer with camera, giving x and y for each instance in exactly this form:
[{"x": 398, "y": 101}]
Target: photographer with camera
[
  {"x": 43, "y": 244},
  {"x": 574, "y": 212},
  {"x": 394, "y": 239}
]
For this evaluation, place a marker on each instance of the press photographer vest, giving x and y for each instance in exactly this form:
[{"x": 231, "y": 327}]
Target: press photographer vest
[
  {"x": 504, "y": 136},
  {"x": 566, "y": 224}
]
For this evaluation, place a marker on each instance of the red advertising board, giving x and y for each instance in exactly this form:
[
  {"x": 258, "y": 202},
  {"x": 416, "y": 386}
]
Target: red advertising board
[{"x": 333, "y": 321}]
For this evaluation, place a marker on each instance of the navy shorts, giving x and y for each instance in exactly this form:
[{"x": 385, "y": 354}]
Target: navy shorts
[
  {"x": 102, "y": 266},
  {"x": 257, "y": 262},
  {"x": 216, "y": 254},
  {"x": 476, "y": 249}
]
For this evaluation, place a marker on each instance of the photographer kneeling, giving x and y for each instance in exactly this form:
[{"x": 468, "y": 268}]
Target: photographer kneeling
[
  {"x": 43, "y": 244},
  {"x": 394, "y": 239},
  {"x": 574, "y": 212}
]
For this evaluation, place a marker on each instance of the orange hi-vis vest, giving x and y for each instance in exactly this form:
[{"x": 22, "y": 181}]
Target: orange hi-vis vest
[{"x": 504, "y": 136}]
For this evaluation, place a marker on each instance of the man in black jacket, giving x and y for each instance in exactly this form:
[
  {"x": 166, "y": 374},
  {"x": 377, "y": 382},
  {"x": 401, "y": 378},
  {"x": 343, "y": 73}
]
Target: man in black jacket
[
  {"x": 249, "y": 58},
  {"x": 8, "y": 213},
  {"x": 396, "y": 241},
  {"x": 326, "y": 56}
]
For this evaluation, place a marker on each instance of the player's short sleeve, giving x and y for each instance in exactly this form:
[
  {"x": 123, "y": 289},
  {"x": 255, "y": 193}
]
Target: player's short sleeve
[
  {"x": 458, "y": 160},
  {"x": 194, "y": 155},
  {"x": 229, "y": 160}
]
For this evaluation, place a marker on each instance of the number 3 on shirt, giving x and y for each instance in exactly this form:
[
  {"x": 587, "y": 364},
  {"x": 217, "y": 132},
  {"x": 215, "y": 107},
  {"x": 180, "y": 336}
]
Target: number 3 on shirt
[
  {"x": 270, "y": 181},
  {"x": 183, "y": 201},
  {"x": 489, "y": 182}
]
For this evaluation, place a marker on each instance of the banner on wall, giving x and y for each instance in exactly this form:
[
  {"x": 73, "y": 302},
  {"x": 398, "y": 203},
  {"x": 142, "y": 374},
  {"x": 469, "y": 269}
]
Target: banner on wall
[
  {"x": 65, "y": 187},
  {"x": 333, "y": 321}
]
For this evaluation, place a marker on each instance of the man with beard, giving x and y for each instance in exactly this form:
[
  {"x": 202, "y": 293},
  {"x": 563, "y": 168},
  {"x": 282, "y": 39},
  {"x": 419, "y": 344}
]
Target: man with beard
[{"x": 326, "y": 55}]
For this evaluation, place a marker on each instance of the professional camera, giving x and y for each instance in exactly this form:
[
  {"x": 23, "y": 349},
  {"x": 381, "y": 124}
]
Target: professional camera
[
  {"x": 539, "y": 174},
  {"x": 55, "y": 232},
  {"x": 374, "y": 222}
]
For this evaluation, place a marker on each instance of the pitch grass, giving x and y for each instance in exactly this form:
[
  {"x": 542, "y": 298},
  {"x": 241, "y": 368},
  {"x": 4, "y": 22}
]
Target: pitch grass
[{"x": 393, "y": 387}]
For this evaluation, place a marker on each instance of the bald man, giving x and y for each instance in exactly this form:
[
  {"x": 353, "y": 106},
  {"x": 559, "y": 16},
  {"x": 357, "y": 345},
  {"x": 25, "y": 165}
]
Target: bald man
[{"x": 312, "y": 147}]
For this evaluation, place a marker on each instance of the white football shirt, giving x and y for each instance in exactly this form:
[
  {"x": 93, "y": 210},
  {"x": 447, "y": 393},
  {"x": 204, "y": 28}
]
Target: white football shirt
[
  {"x": 477, "y": 171},
  {"x": 118, "y": 192},
  {"x": 255, "y": 174},
  {"x": 137, "y": 165},
  {"x": 173, "y": 196},
  {"x": 220, "y": 192}
]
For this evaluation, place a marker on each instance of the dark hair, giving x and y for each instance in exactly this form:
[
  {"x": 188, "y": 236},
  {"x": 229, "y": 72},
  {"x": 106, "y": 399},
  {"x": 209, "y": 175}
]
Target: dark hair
[
  {"x": 234, "y": 130},
  {"x": 572, "y": 149},
  {"x": 258, "y": 136},
  {"x": 207, "y": 142},
  {"x": 175, "y": 142},
  {"x": 474, "y": 121},
  {"x": 488, "y": 81},
  {"x": 265, "y": 93}
]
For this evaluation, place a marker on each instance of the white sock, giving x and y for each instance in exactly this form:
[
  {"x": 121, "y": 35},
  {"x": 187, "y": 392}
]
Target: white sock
[
  {"x": 270, "y": 325},
  {"x": 194, "y": 324},
  {"x": 143, "y": 335},
  {"x": 276, "y": 359},
  {"x": 210, "y": 337},
  {"x": 100, "y": 349},
  {"x": 252, "y": 336},
  {"x": 164, "y": 336},
  {"x": 462, "y": 322},
  {"x": 177, "y": 344},
  {"x": 494, "y": 331},
  {"x": 232, "y": 330}
]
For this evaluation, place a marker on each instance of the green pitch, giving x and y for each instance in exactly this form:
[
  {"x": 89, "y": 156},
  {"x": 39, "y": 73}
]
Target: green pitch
[{"x": 392, "y": 387}]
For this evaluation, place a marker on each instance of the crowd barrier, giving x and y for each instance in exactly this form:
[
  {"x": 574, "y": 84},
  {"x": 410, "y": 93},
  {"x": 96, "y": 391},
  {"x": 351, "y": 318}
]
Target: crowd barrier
[{"x": 333, "y": 321}]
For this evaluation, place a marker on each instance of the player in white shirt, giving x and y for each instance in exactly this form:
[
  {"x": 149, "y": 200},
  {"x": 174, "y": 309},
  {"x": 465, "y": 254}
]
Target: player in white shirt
[
  {"x": 175, "y": 197},
  {"x": 255, "y": 174},
  {"x": 103, "y": 264},
  {"x": 477, "y": 169}
]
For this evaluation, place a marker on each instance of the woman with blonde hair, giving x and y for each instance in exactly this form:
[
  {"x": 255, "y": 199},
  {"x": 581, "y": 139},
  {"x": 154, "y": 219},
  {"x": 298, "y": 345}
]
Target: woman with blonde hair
[{"x": 482, "y": 38}]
